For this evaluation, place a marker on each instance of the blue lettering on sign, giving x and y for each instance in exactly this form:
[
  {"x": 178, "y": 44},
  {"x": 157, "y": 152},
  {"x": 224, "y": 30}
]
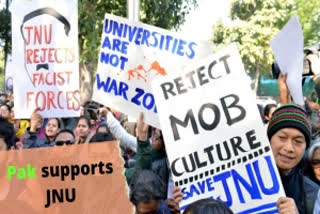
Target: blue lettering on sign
[
  {"x": 136, "y": 99},
  {"x": 201, "y": 185},
  {"x": 276, "y": 186},
  {"x": 253, "y": 189},
  {"x": 155, "y": 38},
  {"x": 111, "y": 86},
  {"x": 254, "y": 184},
  {"x": 192, "y": 52},
  {"x": 223, "y": 178},
  {"x": 144, "y": 99},
  {"x": 141, "y": 36},
  {"x": 145, "y": 38},
  {"x": 115, "y": 45},
  {"x": 113, "y": 59},
  {"x": 132, "y": 32}
]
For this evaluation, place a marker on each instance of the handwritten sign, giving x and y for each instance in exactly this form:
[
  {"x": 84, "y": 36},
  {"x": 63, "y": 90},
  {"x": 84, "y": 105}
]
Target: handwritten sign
[
  {"x": 131, "y": 56},
  {"x": 215, "y": 141},
  {"x": 45, "y": 48},
  {"x": 80, "y": 179}
]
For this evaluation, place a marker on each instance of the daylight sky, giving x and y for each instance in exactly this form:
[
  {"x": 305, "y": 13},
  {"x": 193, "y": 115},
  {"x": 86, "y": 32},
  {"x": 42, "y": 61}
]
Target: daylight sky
[
  {"x": 199, "y": 22},
  {"x": 2, "y": 4}
]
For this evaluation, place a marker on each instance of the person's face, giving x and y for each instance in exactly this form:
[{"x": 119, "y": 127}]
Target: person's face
[
  {"x": 83, "y": 128},
  {"x": 150, "y": 207},
  {"x": 157, "y": 142},
  {"x": 52, "y": 128},
  {"x": 288, "y": 146},
  {"x": 4, "y": 111},
  {"x": 3, "y": 145},
  {"x": 315, "y": 162},
  {"x": 64, "y": 138},
  {"x": 270, "y": 113}
]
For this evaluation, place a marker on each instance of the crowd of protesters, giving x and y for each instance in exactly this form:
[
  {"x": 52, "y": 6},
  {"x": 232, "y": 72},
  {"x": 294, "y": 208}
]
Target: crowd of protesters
[{"x": 291, "y": 130}]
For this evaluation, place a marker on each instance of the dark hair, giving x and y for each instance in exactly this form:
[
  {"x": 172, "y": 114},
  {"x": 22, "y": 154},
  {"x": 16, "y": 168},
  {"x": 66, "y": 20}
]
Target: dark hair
[
  {"x": 86, "y": 119},
  {"x": 146, "y": 186},
  {"x": 7, "y": 132},
  {"x": 8, "y": 107},
  {"x": 153, "y": 130},
  {"x": 101, "y": 126},
  {"x": 58, "y": 121},
  {"x": 207, "y": 206},
  {"x": 101, "y": 137},
  {"x": 4, "y": 94},
  {"x": 267, "y": 109},
  {"x": 65, "y": 131}
]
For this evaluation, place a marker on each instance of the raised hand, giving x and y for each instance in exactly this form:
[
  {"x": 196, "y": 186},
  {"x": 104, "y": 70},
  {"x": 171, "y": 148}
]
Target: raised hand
[
  {"x": 35, "y": 120},
  {"x": 142, "y": 129}
]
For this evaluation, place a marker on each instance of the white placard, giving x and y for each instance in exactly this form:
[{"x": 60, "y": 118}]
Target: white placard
[
  {"x": 287, "y": 47},
  {"x": 215, "y": 140},
  {"x": 45, "y": 49},
  {"x": 131, "y": 56}
]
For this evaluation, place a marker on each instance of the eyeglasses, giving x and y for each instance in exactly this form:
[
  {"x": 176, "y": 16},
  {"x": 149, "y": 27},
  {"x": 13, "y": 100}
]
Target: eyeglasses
[
  {"x": 66, "y": 142},
  {"x": 315, "y": 163}
]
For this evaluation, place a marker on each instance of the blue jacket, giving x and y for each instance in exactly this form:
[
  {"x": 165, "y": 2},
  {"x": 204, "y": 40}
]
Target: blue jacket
[
  {"x": 163, "y": 208},
  {"x": 31, "y": 140}
]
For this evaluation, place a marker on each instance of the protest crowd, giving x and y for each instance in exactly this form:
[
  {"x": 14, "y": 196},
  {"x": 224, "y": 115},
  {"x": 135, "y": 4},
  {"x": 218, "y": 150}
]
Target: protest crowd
[
  {"x": 292, "y": 130},
  {"x": 291, "y": 134}
]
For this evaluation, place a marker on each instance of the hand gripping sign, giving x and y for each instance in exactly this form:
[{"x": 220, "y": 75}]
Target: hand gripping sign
[
  {"x": 131, "y": 56},
  {"x": 215, "y": 140},
  {"x": 45, "y": 48}
]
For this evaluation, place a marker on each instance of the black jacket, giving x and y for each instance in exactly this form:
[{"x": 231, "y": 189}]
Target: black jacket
[{"x": 301, "y": 189}]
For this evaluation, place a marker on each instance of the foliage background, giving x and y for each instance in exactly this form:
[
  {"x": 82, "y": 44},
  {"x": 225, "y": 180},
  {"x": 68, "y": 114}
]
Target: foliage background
[{"x": 255, "y": 22}]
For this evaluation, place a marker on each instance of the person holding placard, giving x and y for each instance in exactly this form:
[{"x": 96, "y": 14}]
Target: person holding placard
[
  {"x": 289, "y": 132},
  {"x": 147, "y": 191}
]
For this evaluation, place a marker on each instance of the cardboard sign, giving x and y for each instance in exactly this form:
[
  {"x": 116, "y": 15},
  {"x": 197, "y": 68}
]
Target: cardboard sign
[
  {"x": 215, "y": 140},
  {"x": 45, "y": 49},
  {"x": 131, "y": 56},
  {"x": 74, "y": 179}
]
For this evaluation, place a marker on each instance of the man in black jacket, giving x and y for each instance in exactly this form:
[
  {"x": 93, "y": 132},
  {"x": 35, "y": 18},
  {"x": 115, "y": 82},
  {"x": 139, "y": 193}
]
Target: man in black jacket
[{"x": 289, "y": 132}]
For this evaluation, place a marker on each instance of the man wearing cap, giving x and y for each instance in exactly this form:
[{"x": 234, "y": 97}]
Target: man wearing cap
[{"x": 289, "y": 133}]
